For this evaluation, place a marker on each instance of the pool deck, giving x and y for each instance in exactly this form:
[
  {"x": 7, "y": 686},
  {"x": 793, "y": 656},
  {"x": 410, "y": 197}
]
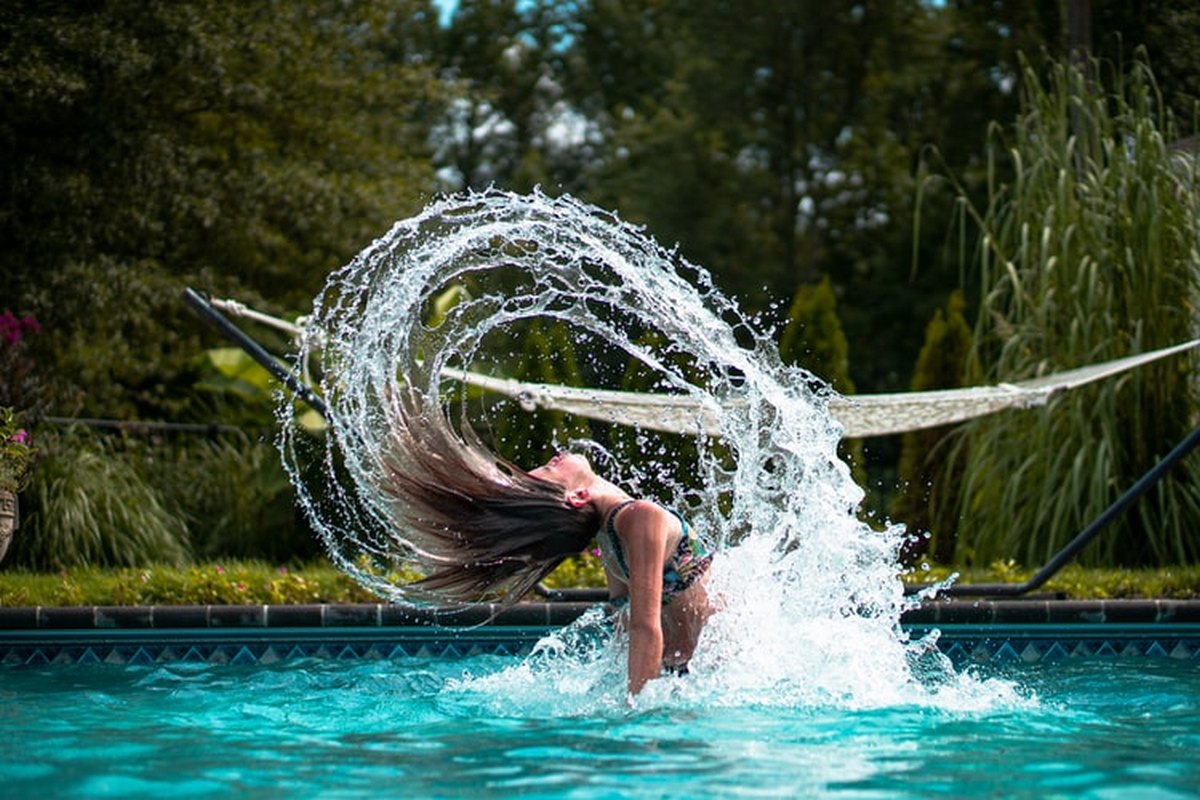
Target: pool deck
[{"x": 970, "y": 631}]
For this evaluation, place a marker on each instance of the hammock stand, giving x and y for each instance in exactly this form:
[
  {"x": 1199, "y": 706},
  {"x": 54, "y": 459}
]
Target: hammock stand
[{"x": 860, "y": 416}]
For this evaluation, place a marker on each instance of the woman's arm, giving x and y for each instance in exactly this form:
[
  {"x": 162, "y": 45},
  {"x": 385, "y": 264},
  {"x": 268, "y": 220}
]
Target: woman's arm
[{"x": 644, "y": 529}]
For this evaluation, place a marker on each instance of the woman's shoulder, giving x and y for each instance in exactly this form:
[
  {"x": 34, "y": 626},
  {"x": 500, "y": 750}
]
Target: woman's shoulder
[{"x": 642, "y": 512}]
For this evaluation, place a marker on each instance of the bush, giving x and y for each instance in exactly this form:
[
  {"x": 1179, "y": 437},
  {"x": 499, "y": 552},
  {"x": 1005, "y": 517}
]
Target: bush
[
  {"x": 233, "y": 496},
  {"x": 88, "y": 506}
]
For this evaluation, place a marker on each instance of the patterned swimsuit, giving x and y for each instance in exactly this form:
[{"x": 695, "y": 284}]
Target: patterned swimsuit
[{"x": 686, "y": 565}]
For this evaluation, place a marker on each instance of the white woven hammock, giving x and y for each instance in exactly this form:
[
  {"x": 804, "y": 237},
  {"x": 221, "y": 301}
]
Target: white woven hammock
[{"x": 859, "y": 415}]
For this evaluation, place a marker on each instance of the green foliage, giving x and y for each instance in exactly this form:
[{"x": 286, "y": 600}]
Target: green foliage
[
  {"x": 663, "y": 460},
  {"x": 253, "y": 582},
  {"x": 531, "y": 437},
  {"x": 16, "y": 451},
  {"x": 246, "y": 148},
  {"x": 928, "y": 493},
  {"x": 232, "y": 494},
  {"x": 126, "y": 501},
  {"x": 245, "y": 391},
  {"x": 582, "y": 571},
  {"x": 221, "y": 583},
  {"x": 1089, "y": 249},
  {"x": 20, "y": 384},
  {"x": 1077, "y": 582},
  {"x": 813, "y": 338},
  {"x": 88, "y": 506}
]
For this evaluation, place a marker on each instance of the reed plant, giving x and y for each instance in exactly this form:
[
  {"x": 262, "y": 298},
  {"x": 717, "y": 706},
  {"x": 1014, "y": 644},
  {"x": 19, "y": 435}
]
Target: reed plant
[
  {"x": 88, "y": 506},
  {"x": 1088, "y": 250}
]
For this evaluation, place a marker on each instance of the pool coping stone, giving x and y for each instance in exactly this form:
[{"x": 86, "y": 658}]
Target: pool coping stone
[{"x": 553, "y": 614}]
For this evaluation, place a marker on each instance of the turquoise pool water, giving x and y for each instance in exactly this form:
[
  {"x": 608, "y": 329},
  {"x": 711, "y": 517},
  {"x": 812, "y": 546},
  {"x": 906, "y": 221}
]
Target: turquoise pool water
[{"x": 417, "y": 727}]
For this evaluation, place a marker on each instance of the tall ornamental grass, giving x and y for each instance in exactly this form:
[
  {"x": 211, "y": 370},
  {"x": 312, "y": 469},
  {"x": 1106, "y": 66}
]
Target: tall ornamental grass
[
  {"x": 89, "y": 506},
  {"x": 100, "y": 500},
  {"x": 1088, "y": 250}
]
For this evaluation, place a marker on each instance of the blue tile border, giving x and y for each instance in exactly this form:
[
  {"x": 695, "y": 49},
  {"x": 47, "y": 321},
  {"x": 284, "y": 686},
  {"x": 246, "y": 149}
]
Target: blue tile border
[
  {"x": 248, "y": 647},
  {"x": 970, "y": 632}
]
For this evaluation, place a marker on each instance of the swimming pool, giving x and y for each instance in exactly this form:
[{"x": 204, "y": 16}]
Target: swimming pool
[
  {"x": 315, "y": 727},
  {"x": 1104, "y": 708}
]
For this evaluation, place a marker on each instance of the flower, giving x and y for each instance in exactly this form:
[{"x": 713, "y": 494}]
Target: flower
[
  {"x": 20, "y": 385},
  {"x": 11, "y": 327},
  {"x": 16, "y": 452}
]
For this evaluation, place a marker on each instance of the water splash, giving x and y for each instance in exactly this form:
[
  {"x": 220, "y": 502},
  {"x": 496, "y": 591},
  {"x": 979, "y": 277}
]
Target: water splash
[{"x": 812, "y": 594}]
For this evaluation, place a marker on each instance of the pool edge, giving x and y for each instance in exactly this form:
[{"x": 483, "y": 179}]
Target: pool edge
[
  {"x": 968, "y": 632},
  {"x": 1032, "y": 612}
]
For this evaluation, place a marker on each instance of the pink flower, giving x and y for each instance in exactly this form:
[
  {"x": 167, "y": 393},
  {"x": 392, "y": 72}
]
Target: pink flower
[
  {"x": 220, "y": 570},
  {"x": 10, "y": 328},
  {"x": 22, "y": 437}
]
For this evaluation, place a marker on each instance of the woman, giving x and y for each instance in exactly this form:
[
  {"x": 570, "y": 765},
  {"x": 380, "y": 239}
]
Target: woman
[
  {"x": 483, "y": 528},
  {"x": 654, "y": 565}
]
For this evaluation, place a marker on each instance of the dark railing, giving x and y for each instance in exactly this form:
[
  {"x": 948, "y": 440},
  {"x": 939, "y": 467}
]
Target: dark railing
[{"x": 144, "y": 426}]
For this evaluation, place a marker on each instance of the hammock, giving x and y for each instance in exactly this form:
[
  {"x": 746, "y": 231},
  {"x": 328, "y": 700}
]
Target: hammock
[{"x": 859, "y": 415}]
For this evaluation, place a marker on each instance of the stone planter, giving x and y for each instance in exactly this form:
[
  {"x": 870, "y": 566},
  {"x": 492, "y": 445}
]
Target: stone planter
[{"x": 9, "y": 517}]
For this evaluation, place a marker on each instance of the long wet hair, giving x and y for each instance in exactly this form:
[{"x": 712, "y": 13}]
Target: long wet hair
[{"x": 479, "y": 526}]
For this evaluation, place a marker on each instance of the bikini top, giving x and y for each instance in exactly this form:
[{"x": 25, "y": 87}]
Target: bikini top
[{"x": 686, "y": 565}]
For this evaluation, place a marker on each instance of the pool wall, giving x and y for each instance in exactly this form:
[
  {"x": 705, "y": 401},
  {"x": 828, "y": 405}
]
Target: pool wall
[{"x": 984, "y": 631}]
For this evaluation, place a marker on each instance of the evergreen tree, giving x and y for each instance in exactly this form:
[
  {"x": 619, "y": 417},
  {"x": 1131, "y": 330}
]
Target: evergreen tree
[
  {"x": 247, "y": 149},
  {"x": 528, "y": 438},
  {"x": 926, "y": 499},
  {"x": 813, "y": 339}
]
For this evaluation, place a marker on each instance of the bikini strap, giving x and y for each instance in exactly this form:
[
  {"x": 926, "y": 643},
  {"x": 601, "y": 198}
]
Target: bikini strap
[
  {"x": 612, "y": 516},
  {"x": 610, "y": 527}
]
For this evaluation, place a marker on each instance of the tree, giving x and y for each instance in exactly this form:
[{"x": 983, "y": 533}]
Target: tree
[
  {"x": 529, "y": 438},
  {"x": 926, "y": 499},
  {"x": 245, "y": 149},
  {"x": 813, "y": 339}
]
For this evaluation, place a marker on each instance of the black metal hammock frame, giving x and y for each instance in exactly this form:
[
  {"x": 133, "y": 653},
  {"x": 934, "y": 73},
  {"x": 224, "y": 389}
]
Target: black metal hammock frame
[{"x": 1064, "y": 556}]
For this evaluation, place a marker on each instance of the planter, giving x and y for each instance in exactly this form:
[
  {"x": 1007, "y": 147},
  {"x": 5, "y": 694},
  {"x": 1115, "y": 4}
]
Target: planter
[{"x": 9, "y": 518}]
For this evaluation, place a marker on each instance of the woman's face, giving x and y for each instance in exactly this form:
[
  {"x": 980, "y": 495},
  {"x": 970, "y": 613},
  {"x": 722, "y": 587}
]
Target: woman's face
[{"x": 569, "y": 470}]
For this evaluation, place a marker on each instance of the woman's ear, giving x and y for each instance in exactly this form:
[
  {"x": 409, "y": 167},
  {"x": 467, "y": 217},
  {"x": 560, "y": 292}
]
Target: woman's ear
[{"x": 579, "y": 498}]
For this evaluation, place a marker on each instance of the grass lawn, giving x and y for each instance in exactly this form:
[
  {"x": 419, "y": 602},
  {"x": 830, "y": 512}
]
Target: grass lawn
[{"x": 233, "y": 582}]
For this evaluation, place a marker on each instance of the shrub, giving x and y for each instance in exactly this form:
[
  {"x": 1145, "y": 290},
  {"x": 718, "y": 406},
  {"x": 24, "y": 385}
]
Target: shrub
[
  {"x": 233, "y": 496},
  {"x": 89, "y": 506}
]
